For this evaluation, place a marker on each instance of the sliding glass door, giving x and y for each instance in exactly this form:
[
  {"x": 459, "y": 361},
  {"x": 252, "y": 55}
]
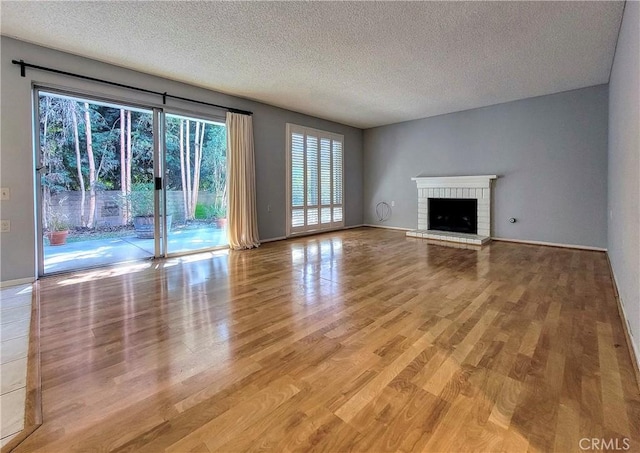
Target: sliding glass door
[
  {"x": 195, "y": 183},
  {"x": 107, "y": 172},
  {"x": 95, "y": 173}
]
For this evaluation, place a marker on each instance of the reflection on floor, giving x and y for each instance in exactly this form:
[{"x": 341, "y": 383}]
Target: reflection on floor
[
  {"x": 101, "y": 252},
  {"x": 359, "y": 340},
  {"x": 15, "y": 316}
]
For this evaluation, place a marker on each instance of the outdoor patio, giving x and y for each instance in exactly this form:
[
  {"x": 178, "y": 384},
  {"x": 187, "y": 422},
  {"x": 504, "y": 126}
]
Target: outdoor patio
[{"x": 100, "y": 252}]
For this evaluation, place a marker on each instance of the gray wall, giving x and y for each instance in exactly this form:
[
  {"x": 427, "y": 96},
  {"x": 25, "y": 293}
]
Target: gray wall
[
  {"x": 18, "y": 250},
  {"x": 550, "y": 153},
  {"x": 624, "y": 168}
]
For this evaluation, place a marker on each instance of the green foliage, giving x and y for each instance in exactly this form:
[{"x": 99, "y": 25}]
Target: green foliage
[
  {"x": 202, "y": 212},
  {"x": 214, "y": 156},
  {"x": 210, "y": 212},
  {"x": 59, "y": 222},
  {"x": 217, "y": 212},
  {"x": 57, "y": 143},
  {"x": 58, "y": 118},
  {"x": 141, "y": 199},
  {"x": 56, "y": 219}
]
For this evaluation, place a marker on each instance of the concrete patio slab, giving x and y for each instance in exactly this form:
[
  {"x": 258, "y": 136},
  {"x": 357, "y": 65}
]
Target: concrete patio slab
[{"x": 102, "y": 252}]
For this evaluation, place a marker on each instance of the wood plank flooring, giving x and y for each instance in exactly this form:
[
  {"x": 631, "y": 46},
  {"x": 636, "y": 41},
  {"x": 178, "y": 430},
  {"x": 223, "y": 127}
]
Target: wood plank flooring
[{"x": 361, "y": 340}]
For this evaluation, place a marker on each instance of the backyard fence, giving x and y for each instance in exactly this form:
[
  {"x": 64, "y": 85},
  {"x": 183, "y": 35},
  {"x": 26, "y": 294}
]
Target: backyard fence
[{"x": 109, "y": 206}]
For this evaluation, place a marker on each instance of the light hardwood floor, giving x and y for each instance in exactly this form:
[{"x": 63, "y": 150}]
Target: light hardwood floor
[{"x": 361, "y": 340}]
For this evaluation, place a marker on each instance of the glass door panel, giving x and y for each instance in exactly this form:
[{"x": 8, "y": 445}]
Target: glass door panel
[
  {"x": 96, "y": 174},
  {"x": 195, "y": 183}
]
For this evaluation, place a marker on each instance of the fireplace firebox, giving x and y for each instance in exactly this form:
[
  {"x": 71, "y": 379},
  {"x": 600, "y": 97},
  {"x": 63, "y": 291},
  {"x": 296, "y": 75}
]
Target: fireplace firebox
[{"x": 453, "y": 214}]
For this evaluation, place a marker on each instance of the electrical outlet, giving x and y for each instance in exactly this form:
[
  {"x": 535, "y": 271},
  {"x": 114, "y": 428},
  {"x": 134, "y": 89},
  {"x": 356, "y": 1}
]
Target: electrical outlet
[
  {"x": 5, "y": 226},
  {"x": 268, "y": 208},
  {"x": 5, "y": 194},
  {"x": 393, "y": 203}
]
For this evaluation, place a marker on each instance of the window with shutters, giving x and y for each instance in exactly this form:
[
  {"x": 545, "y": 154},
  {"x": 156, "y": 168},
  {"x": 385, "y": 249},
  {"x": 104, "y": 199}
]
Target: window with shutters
[{"x": 314, "y": 180}]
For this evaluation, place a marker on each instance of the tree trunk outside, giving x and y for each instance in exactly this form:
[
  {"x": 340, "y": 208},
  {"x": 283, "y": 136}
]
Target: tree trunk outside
[
  {"x": 92, "y": 168},
  {"x": 182, "y": 172},
  {"x": 197, "y": 166},
  {"x": 46, "y": 192},
  {"x": 188, "y": 165},
  {"x": 129, "y": 158},
  {"x": 74, "y": 118},
  {"x": 123, "y": 169},
  {"x": 194, "y": 187}
]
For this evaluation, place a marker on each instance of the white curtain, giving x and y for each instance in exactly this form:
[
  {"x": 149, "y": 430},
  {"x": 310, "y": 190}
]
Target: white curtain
[{"x": 242, "y": 225}]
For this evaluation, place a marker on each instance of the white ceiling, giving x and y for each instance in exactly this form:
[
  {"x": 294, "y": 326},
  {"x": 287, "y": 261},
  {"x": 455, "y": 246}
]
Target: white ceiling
[{"x": 360, "y": 63}]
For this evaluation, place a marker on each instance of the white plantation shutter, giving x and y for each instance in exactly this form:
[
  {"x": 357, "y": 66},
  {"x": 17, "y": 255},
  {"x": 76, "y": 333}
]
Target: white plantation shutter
[
  {"x": 312, "y": 171},
  {"x": 315, "y": 178},
  {"x": 336, "y": 147},
  {"x": 337, "y": 173},
  {"x": 325, "y": 171},
  {"x": 297, "y": 170}
]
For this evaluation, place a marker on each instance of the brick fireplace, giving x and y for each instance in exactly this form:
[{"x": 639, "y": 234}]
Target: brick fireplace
[{"x": 459, "y": 188}]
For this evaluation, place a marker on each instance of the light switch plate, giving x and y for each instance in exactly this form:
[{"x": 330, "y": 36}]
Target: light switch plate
[
  {"x": 5, "y": 226},
  {"x": 5, "y": 193}
]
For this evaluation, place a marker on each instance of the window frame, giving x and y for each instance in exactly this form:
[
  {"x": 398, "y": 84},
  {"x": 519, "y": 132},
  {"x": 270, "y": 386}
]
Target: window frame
[{"x": 320, "y": 135}]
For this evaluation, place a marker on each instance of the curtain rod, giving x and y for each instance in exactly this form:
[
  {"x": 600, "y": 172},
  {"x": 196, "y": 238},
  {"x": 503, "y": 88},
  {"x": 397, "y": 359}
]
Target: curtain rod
[{"x": 164, "y": 95}]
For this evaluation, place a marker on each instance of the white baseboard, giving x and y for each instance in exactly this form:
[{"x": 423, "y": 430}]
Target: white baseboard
[
  {"x": 19, "y": 281},
  {"x": 551, "y": 244},
  {"x": 279, "y": 238},
  {"x": 386, "y": 227},
  {"x": 519, "y": 241},
  {"x": 628, "y": 329},
  {"x": 633, "y": 348},
  {"x": 313, "y": 233}
]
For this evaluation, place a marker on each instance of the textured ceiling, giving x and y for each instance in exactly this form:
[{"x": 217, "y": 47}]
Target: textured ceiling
[{"x": 359, "y": 63}]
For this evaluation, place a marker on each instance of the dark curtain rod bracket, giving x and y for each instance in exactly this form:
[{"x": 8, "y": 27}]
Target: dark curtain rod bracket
[{"x": 164, "y": 95}]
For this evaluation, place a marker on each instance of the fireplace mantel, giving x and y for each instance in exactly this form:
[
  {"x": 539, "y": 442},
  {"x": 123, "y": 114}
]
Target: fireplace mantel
[
  {"x": 481, "y": 181},
  {"x": 478, "y": 187}
]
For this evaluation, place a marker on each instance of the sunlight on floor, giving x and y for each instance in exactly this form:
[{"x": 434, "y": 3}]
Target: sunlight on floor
[
  {"x": 129, "y": 268},
  {"x": 104, "y": 273}
]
